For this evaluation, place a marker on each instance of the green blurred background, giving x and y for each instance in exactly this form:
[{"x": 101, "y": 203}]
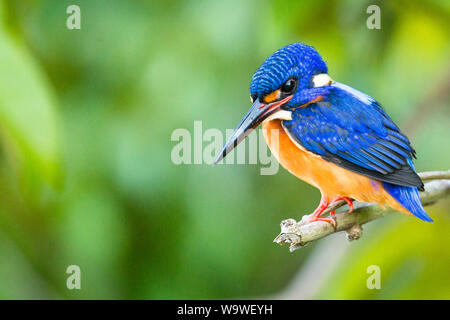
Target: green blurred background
[{"x": 86, "y": 176}]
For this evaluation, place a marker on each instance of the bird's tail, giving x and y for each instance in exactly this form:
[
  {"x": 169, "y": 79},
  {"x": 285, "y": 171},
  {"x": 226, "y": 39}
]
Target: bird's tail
[{"x": 409, "y": 198}]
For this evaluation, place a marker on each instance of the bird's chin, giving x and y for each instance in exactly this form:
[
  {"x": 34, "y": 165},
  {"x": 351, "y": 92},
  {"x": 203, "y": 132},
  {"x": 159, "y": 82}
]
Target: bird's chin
[{"x": 280, "y": 114}]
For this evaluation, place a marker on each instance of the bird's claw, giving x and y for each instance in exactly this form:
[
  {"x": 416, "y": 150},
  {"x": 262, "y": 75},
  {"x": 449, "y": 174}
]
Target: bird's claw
[
  {"x": 347, "y": 200},
  {"x": 331, "y": 220}
]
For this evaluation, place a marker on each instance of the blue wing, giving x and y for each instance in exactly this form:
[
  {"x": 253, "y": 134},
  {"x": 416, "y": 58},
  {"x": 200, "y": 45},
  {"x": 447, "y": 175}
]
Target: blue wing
[{"x": 352, "y": 130}]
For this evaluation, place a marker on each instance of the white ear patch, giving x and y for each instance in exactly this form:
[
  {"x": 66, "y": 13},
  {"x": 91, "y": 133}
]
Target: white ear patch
[
  {"x": 322, "y": 80},
  {"x": 282, "y": 115}
]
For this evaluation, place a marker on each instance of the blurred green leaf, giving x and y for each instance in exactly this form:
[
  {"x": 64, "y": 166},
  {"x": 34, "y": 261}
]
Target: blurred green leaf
[
  {"x": 412, "y": 256},
  {"x": 28, "y": 121}
]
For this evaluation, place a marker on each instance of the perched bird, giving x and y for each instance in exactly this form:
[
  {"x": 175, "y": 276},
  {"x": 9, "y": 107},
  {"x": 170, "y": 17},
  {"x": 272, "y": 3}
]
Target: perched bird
[{"x": 330, "y": 135}]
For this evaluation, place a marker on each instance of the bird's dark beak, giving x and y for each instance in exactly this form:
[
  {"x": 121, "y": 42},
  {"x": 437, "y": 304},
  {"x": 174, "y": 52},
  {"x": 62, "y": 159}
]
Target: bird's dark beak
[{"x": 257, "y": 114}]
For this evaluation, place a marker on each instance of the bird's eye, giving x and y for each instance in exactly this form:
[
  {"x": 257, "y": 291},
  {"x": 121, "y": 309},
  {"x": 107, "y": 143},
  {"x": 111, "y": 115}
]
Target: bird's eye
[{"x": 289, "y": 86}]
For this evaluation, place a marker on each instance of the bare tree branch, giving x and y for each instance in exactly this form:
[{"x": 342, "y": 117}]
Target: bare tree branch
[
  {"x": 434, "y": 175},
  {"x": 300, "y": 233}
]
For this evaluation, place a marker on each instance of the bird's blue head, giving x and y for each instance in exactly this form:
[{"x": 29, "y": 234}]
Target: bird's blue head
[
  {"x": 286, "y": 80},
  {"x": 288, "y": 71}
]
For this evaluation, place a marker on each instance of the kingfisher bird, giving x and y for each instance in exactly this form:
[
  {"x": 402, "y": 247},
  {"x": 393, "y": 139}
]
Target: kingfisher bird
[{"x": 329, "y": 135}]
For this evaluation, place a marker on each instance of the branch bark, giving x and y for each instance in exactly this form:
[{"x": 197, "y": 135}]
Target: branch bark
[{"x": 299, "y": 234}]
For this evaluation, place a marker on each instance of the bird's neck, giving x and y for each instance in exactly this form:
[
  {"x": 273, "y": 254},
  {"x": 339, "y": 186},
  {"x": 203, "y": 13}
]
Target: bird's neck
[{"x": 273, "y": 131}]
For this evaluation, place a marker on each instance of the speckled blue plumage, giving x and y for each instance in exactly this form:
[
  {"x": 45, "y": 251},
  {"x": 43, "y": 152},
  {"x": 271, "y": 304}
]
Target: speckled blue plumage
[
  {"x": 347, "y": 127},
  {"x": 297, "y": 60}
]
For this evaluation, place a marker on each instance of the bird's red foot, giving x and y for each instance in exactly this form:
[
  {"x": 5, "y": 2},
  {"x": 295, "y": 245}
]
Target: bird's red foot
[
  {"x": 349, "y": 202},
  {"x": 320, "y": 209}
]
